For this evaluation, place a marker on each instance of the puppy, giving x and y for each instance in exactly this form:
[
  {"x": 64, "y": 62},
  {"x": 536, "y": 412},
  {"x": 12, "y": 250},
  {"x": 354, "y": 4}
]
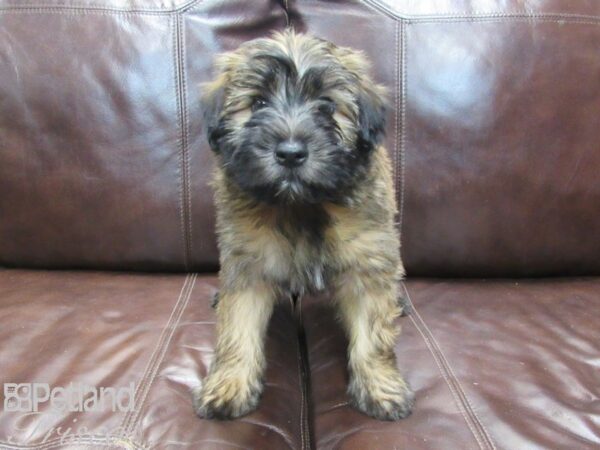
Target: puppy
[{"x": 305, "y": 201}]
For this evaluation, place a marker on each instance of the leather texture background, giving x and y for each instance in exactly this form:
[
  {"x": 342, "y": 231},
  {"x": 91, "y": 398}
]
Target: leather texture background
[
  {"x": 156, "y": 331},
  {"x": 493, "y": 130},
  {"x": 508, "y": 364},
  {"x": 103, "y": 161},
  {"x": 494, "y": 134}
]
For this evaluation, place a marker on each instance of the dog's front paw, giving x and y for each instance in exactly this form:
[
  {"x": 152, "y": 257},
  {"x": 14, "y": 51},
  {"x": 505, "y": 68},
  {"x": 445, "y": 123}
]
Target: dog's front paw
[
  {"x": 226, "y": 397},
  {"x": 383, "y": 398}
]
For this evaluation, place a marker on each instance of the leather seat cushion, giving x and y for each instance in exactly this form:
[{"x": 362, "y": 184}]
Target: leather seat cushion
[
  {"x": 157, "y": 331},
  {"x": 495, "y": 364}
]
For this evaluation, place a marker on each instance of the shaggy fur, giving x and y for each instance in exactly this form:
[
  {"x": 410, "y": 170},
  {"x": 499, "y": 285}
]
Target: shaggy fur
[{"x": 326, "y": 223}]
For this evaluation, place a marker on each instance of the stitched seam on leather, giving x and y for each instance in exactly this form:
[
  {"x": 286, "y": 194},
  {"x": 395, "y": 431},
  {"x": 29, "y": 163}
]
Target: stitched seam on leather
[
  {"x": 100, "y": 8},
  {"x": 300, "y": 381},
  {"x": 304, "y": 430},
  {"x": 181, "y": 141},
  {"x": 532, "y": 19},
  {"x": 445, "y": 376},
  {"x": 483, "y": 429},
  {"x": 475, "y": 425},
  {"x": 581, "y": 19},
  {"x": 180, "y": 188},
  {"x": 396, "y": 105},
  {"x": 382, "y": 8},
  {"x": 508, "y": 17},
  {"x": 72, "y": 13},
  {"x": 562, "y": 19},
  {"x": 139, "y": 388},
  {"x": 127, "y": 419},
  {"x": 145, "y": 383},
  {"x": 163, "y": 350},
  {"x": 59, "y": 442},
  {"x": 185, "y": 142},
  {"x": 403, "y": 94},
  {"x": 286, "y": 10}
]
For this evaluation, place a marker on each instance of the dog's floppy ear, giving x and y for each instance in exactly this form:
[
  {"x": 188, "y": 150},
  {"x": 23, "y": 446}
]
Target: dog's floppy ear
[
  {"x": 213, "y": 95},
  {"x": 370, "y": 97},
  {"x": 213, "y": 98},
  {"x": 372, "y": 109}
]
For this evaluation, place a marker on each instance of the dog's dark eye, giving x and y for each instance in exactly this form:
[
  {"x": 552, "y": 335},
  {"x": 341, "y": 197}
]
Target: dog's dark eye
[
  {"x": 258, "y": 103},
  {"x": 327, "y": 106}
]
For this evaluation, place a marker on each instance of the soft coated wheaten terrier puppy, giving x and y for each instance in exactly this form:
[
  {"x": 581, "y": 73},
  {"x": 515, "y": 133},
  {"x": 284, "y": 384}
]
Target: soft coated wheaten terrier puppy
[{"x": 305, "y": 201}]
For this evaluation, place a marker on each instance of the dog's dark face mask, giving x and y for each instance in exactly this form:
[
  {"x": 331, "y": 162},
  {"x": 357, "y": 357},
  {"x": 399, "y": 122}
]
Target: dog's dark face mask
[{"x": 294, "y": 119}]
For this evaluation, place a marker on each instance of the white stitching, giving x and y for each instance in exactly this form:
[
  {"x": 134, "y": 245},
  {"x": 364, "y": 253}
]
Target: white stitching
[
  {"x": 403, "y": 94},
  {"x": 82, "y": 12},
  {"x": 298, "y": 317},
  {"x": 181, "y": 309},
  {"x": 460, "y": 389},
  {"x": 380, "y": 7},
  {"x": 100, "y": 8},
  {"x": 466, "y": 399},
  {"x": 126, "y": 420},
  {"x": 449, "y": 384},
  {"x": 59, "y": 442},
  {"x": 452, "y": 389},
  {"x": 451, "y": 371},
  {"x": 397, "y": 103},
  {"x": 186, "y": 128},
  {"x": 127, "y": 425},
  {"x": 532, "y": 19},
  {"x": 180, "y": 140},
  {"x": 550, "y": 18},
  {"x": 183, "y": 125},
  {"x": 457, "y": 391},
  {"x": 303, "y": 445}
]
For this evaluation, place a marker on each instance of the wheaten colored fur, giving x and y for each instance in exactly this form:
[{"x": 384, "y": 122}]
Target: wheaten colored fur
[{"x": 270, "y": 250}]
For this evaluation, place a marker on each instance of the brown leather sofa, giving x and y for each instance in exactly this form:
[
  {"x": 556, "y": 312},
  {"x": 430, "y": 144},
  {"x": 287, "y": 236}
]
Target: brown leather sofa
[{"x": 109, "y": 256}]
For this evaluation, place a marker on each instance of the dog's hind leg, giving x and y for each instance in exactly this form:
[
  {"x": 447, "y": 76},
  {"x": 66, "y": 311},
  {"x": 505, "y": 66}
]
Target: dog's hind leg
[
  {"x": 234, "y": 382},
  {"x": 368, "y": 308}
]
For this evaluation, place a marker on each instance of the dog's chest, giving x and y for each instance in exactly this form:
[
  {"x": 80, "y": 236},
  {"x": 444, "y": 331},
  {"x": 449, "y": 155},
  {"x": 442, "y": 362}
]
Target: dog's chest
[
  {"x": 306, "y": 268},
  {"x": 297, "y": 255},
  {"x": 303, "y": 250}
]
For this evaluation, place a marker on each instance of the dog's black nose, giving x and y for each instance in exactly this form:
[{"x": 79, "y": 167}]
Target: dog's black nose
[{"x": 291, "y": 153}]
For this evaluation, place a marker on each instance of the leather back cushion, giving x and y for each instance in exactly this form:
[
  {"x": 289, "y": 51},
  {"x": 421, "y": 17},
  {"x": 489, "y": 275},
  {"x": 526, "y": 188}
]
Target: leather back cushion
[{"x": 494, "y": 131}]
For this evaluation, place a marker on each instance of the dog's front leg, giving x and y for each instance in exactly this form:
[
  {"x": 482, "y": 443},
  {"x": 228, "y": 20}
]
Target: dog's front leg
[
  {"x": 368, "y": 307},
  {"x": 233, "y": 385}
]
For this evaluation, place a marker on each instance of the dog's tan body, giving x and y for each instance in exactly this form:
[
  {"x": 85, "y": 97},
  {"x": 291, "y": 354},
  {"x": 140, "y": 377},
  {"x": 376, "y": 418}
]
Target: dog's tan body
[{"x": 269, "y": 251}]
